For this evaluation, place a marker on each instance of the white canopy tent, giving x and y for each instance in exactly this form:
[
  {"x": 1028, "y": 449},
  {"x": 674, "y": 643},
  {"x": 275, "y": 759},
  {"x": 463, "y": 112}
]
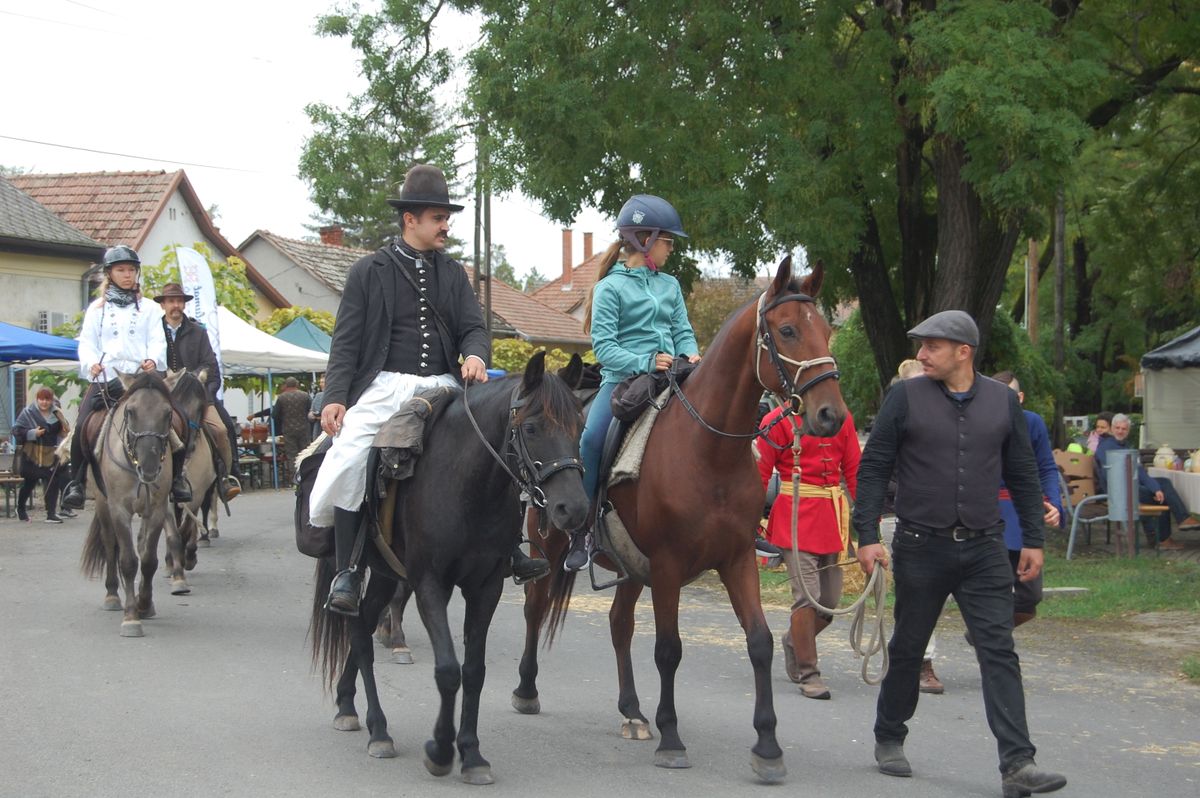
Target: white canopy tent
[{"x": 245, "y": 349}]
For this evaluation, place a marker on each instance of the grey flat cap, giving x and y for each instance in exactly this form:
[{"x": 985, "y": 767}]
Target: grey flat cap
[{"x": 953, "y": 325}]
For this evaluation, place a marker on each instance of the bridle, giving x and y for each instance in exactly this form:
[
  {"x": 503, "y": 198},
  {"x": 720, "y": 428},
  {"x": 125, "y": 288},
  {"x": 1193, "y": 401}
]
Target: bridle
[
  {"x": 529, "y": 474},
  {"x": 765, "y": 342},
  {"x": 130, "y": 438}
]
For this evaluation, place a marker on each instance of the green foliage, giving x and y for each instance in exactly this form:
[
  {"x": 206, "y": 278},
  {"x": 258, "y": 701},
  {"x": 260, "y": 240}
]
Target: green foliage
[
  {"x": 357, "y": 157},
  {"x": 711, "y": 303},
  {"x": 859, "y": 379},
  {"x": 233, "y": 289},
  {"x": 282, "y": 317},
  {"x": 512, "y": 355},
  {"x": 1009, "y": 349}
]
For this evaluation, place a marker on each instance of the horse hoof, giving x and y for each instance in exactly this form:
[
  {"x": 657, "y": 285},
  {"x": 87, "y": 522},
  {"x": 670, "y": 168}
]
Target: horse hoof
[
  {"x": 179, "y": 587},
  {"x": 112, "y": 603},
  {"x": 478, "y": 775},
  {"x": 346, "y": 723},
  {"x": 402, "y": 656},
  {"x": 770, "y": 771},
  {"x": 203, "y": 543},
  {"x": 636, "y": 729},
  {"x": 131, "y": 629},
  {"x": 433, "y": 767},
  {"x": 148, "y": 612},
  {"x": 382, "y": 749},
  {"x": 526, "y": 706},
  {"x": 214, "y": 533},
  {"x": 671, "y": 759}
]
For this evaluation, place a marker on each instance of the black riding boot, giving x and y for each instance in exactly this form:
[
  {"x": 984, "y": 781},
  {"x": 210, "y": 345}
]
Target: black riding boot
[
  {"x": 74, "y": 494},
  {"x": 181, "y": 489},
  {"x": 346, "y": 589},
  {"x": 526, "y": 568}
]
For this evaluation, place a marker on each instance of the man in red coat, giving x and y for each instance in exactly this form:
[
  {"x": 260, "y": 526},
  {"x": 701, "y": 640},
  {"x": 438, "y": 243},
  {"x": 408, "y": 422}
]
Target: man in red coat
[{"x": 822, "y": 533}]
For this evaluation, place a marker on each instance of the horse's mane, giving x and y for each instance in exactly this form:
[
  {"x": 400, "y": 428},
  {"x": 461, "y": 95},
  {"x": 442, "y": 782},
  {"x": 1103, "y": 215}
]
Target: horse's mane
[
  {"x": 149, "y": 379},
  {"x": 189, "y": 388},
  {"x": 557, "y": 402}
]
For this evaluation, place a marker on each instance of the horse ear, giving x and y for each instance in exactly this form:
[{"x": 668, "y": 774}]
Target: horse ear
[
  {"x": 812, "y": 283},
  {"x": 126, "y": 379},
  {"x": 783, "y": 276},
  {"x": 534, "y": 372},
  {"x": 173, "y": 377},
  {"x": 573, "y": 373},
  {"x": 202, "y": 375}
]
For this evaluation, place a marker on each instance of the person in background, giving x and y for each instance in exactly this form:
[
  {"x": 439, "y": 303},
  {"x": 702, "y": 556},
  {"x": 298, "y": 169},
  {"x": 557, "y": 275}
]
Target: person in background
[
  {"x": 38, "y": 430},
  {"x": 1150, "y": 490},
  {"x": 1103, "y": 427},
  {"x": 822, "y": 532},
  {"x": 314, "y": 410},
  {"x": 290, "y": 414}
]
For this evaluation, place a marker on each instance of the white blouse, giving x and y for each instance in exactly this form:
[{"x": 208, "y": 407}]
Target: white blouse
[{"x": 123, "y": 337}]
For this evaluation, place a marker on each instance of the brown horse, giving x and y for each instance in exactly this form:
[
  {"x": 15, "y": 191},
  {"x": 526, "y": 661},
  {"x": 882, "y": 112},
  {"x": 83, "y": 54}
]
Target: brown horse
[{"x": 697, "y": 502}]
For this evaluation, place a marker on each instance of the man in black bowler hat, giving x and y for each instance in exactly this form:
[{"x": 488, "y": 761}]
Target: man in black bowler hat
[
  {"x": 389, "y": 342},
  {"x": 951, "y": 434}
]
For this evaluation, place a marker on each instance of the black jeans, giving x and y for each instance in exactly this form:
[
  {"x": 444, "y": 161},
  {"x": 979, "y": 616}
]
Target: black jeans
[
  {"x": 1161, "y": 524},
  {"x": 977, "y": 572}
]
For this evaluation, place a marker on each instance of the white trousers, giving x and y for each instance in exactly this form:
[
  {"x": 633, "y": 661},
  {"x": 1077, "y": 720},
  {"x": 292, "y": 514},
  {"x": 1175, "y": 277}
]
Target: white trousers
[{"x": 342, "y": 478}]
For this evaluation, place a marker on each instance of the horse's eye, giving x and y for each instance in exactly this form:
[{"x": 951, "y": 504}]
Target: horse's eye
[
  {"x": 529, "y": 429},
  {"x": 788, "y": 331}
]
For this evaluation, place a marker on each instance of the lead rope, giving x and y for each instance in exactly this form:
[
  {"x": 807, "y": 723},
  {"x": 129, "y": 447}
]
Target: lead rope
[{"x": 876, "y": 587}]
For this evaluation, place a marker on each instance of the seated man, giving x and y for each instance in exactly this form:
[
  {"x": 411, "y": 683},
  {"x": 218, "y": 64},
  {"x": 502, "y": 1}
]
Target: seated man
[{"x": 1150, "y": 490}]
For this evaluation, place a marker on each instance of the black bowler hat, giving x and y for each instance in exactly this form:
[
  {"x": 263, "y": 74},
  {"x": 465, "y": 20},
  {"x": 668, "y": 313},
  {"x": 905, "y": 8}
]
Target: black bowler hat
[{"x": 424, "y": 187}]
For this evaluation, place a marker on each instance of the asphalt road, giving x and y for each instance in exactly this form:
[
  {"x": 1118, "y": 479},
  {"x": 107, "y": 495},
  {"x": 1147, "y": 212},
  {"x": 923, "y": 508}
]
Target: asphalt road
[{"x": 218, "y": 697}]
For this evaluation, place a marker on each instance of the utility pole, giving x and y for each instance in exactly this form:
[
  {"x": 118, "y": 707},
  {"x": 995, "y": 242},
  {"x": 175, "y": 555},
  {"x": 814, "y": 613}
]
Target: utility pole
[
  {"x": 478, "y": 212},
  {"x": 1031, "y": 292},
  {"x": 1060, "y": 278},
  {"x": 487, "y": 255}
]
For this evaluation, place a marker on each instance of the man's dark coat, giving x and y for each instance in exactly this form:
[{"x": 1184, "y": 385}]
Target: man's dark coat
[
  {"x": 191, "y": 350},
  {"x": 364, "y": 322}
]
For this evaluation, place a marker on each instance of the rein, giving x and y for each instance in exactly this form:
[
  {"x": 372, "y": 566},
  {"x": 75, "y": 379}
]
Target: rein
[{"x": 530, "y": 473}]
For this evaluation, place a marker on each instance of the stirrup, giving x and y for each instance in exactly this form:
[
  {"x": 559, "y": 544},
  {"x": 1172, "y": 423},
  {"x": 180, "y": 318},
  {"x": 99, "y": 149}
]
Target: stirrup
[
  {"x": 599, "y": 535},
  {"x": 518, "y": 581}
]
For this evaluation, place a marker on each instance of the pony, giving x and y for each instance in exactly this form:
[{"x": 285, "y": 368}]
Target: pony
[
  {"x": 134, "y": 443},
  {"x": 697, "y": 502},
  {"x": 455, "y": 523},
  {"x": 191, "y": 398}
]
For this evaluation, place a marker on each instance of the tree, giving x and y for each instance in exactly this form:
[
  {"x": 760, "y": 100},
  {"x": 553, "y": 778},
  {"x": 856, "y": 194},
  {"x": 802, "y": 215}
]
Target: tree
[
  {"x": 711, "y": 302},
  {"x": 229, "y": 279},
  {"x": 282, "y": 317},
  {"x": 356, "y": 158},
  {"x": 533, "y": 281}
]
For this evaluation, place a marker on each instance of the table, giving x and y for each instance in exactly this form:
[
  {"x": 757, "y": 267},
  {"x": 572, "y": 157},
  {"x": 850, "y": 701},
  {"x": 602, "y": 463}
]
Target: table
[{"x": 1187, "y": 485}]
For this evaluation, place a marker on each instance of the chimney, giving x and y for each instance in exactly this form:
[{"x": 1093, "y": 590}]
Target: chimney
[
  {"x": 587, "y": 246},
  {"x": 567, "y": 266},
  {"x": 332, "y": 235}
]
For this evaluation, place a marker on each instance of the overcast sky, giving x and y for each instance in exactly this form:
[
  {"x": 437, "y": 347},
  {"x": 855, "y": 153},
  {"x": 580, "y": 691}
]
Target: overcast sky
[{"x": 215, "y": 88}]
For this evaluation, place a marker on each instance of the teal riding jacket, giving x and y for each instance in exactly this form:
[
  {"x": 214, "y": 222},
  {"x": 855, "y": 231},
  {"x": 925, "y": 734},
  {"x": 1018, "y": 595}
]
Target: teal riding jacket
[{"x": 637, "y": 313}]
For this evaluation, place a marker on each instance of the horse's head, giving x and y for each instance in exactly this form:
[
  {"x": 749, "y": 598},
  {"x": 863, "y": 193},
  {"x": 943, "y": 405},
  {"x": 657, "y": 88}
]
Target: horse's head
[
  {"x": 144, "y": 423},
  {"x": 189, "y": 393},
  {"x": 792, "y": 350},
  {"x": 546, "y": 430}
]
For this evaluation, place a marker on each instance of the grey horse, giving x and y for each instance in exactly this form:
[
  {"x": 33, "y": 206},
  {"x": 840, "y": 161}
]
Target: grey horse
[{"x": 134, "y": 478}]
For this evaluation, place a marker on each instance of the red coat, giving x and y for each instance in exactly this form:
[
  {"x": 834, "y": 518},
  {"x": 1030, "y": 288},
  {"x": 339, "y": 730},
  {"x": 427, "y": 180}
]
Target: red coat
[{"x": 823, "y": 462}]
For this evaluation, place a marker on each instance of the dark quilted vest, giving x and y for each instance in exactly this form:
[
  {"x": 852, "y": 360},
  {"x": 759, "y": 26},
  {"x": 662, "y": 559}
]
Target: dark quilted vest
[{"x": 949, "y": 464}]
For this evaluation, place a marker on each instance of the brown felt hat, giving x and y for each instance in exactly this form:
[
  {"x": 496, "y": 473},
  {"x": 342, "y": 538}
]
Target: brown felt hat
[
  {"x": 424, "y": 187},
  {"x": 173, "y": 291}
]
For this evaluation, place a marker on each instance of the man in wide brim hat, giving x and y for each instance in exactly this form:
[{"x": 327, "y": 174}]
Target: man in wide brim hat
[
  {"x": 424, "y": 187},
  {"x": 173, "y": 291}
]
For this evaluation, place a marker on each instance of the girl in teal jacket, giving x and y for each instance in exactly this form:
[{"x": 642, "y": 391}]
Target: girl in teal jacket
[{"x": 637, "y": 321}]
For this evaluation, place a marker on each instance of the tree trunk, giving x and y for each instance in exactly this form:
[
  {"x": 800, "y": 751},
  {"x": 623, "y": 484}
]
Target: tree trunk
[{"x": 877, "y": 303}]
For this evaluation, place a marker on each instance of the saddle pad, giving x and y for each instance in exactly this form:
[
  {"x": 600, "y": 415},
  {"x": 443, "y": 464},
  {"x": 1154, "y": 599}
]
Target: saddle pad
[{"x": 628, "y": 464}]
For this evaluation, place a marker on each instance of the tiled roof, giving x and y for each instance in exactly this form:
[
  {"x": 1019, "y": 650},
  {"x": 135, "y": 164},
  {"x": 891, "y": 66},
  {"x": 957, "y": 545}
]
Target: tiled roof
[
  {"x": 24, "y": 219},
  {"x": 583, "y": 277},
  {"x": 122, "y": 207},
  {"x": 532, "y": 320},
  {"x": 111, "y": 207},
  {"x": 326, "y": 262}
]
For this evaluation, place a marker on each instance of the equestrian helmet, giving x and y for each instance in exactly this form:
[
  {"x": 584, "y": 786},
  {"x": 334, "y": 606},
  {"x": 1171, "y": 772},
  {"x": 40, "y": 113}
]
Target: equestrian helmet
[
  {"x": 121, "y": 254},
  {"x": 646, "y": 212}
]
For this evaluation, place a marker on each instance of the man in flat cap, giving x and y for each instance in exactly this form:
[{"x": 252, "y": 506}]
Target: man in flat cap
[
  {"x": 951, "y": 435},
  {"x": 406, "y": 317}
]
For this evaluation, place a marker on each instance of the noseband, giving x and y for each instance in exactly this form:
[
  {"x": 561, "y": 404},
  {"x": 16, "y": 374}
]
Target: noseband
[
  {"x": 130, "y": 438},
  {"x": 766, "y": 342},
  {"x": 530, "y": 474}
]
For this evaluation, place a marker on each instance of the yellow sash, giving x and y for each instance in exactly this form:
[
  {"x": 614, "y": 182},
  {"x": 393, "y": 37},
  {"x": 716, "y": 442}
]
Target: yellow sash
[{"x": 841, "y": 506}]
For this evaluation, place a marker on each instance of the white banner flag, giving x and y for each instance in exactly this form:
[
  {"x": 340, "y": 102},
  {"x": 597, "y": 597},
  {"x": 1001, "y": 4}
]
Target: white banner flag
[{"x": 197, "y": 280}]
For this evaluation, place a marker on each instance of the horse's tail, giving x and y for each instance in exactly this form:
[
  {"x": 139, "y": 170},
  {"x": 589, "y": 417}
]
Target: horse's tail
[
  {"x": 94, "y": 557},
  {"x": 562, "y": 582},
  {"x": 328, "y": 631}
]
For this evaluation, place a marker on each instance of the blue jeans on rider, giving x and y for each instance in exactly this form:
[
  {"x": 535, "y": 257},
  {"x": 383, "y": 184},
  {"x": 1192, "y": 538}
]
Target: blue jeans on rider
[
  {"x": 591, "y": 443},
  {"x": 978, "y": 573}
]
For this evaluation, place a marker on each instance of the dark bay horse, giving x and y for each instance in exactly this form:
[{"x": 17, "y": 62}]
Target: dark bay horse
[
  {"x": 697, "y": 503},
  {"x": 134, "y": 467},
  {"x": 455, "y": 523},
  {"x": 191, "y": 399}
]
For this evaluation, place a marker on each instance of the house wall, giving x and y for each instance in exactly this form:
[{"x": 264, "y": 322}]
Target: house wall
[
  {"x": 174, "y": 226},
  {"x": 300, "y": 287},
  {"x": 39, "y": 282}
]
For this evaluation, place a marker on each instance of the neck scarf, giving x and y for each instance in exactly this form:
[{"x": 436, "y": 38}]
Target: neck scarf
[{"x": 120, "y": 297}]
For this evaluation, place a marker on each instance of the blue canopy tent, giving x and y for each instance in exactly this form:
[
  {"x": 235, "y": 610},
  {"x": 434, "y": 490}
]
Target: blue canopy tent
[
  {"x": 303, "y": 332},
  {"x": 19, "y": 345}
]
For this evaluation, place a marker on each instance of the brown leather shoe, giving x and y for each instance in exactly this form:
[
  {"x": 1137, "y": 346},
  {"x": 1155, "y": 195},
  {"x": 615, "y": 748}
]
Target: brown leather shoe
[
  {"x": 930, "y": 683},
  {"x": 1171, "y": 545}
]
